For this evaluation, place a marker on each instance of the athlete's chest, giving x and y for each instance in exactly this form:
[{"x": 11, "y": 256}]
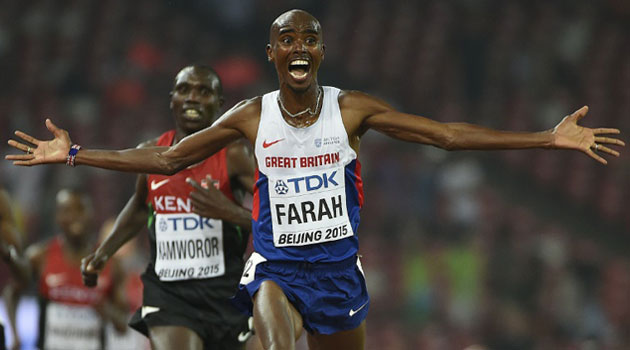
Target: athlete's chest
[{"x": 172, "y": 193}]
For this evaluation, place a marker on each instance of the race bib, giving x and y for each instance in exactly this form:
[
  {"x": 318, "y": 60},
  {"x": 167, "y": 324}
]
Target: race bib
[
  {"x": 309, "y": 209},
  {"x": 72, "y": 327},
  {"x": 249, "y": 272},
  {"x": 188, "y": 246}
]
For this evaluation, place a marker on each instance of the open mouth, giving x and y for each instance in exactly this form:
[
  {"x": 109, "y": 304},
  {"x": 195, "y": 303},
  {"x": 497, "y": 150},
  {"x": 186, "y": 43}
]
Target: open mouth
[
  {"x": 192, "y": 113},
  {"x": 299, "y": 69}
]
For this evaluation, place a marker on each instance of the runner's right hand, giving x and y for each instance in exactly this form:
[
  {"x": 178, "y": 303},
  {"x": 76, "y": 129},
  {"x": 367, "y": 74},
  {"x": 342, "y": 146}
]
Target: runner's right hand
[
  {"x": 91, "y": 266},
  {"x": 41, "y": 152}
]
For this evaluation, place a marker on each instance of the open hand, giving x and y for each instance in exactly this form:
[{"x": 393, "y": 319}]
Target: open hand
[
  {"x": 568, "y": 134},
  {"x": 41, "y": 152}
]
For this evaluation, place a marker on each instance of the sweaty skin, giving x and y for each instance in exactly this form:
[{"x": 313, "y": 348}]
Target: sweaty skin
[{"x": 296, "y": 35}]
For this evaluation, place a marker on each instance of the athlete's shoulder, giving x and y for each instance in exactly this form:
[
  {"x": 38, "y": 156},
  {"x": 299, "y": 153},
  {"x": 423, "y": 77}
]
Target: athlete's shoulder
[
  {"x": 249, "y": 108},
  {"x": 354, "y": 99}
]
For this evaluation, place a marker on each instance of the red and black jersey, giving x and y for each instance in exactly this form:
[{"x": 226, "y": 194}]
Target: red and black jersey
[
  {"x": 193, "y": 259},
  {"x": 68, "y": 318}
]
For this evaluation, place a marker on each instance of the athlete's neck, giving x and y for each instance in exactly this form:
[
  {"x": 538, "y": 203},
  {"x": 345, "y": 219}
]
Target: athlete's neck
[{"x": 296, "y": 101}]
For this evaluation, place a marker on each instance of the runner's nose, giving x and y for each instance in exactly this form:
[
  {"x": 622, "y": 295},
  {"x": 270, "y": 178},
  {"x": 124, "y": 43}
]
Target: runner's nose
[
  {"x": 300, "y": 46},
  {"x": 193, "y": 96}
]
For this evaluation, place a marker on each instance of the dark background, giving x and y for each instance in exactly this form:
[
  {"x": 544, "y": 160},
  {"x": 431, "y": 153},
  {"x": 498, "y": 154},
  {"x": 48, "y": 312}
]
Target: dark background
[{"x": 507, "y": 249}]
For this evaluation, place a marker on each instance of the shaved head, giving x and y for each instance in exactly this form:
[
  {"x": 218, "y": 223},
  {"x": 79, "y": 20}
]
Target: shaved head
[
  {"x": 201, "y": 71},
  {"x": 298, "y": 18}
]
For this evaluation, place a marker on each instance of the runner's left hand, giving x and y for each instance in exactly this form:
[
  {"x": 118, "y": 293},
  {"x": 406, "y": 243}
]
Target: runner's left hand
[{"x": 568, "y": 134}]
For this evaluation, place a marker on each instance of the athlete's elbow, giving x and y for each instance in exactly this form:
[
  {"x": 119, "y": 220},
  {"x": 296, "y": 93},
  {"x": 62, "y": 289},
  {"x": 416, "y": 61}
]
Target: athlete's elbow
[
  {"x": 168, "y": 166},
  {"x": 448, "y": 140}
]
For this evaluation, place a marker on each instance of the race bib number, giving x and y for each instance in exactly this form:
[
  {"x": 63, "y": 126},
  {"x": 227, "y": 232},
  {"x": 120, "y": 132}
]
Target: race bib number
[
  {"x": 72, "y": 327},
  {"x": 309, "y": 209},
  {"x": 188, "y": 246},
  {"x": 249, "y": 272}
]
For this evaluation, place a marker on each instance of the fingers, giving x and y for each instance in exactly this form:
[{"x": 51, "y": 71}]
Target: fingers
[
  {"x": 610, "y": 140},
  {"x": 580, "y": 113},
  {"x": 90, "y": 270},
  {"x": 19, "y": 156},
  {"x": 595, "y": 156},
  {"x": 606, "y": 131},
  {"x": 53, "y": 128},
  {"x": 27, "y": 137},
  {"x": 194, "y": 184},
  {"x": 197, "y": 198},
  {"x": 84, "y": 262},
  {"x": 18, "y": 145},
  {"x": 603, "y": 148}
]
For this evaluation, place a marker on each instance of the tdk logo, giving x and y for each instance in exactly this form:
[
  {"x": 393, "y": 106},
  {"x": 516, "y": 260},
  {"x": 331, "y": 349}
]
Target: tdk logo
[
  {"x": 163, "y": 225},
  {"x": 187, "y": 223},
  {"x": 281, "y": 187},
  {"x": 313, "y": 182}
]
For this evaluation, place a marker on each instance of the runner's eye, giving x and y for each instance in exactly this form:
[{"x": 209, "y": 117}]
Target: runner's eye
[{"x": 182, "y": 89}]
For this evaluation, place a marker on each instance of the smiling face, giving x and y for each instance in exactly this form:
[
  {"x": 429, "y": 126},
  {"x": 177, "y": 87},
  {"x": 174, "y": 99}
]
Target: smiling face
[
  {"x": 296, "y": 47},
  {"x": 196, "y": 98}
]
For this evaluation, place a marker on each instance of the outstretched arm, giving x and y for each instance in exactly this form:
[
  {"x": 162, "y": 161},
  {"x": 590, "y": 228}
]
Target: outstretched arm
[
  {"x": 128, "y": 223},
  {"x": 366, "y": 112},
  {"x": 237, "y": 122}
]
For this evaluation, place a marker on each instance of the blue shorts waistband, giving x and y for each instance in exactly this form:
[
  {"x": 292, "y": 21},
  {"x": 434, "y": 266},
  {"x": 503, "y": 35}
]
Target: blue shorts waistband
[{"x": 316, "y": 266}]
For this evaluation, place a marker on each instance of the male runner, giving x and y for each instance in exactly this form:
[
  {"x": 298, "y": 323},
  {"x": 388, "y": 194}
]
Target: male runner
[
  {"x": 196, "y": 262},
  {"x": 72, "y": 316},
  {"x": 11, "y": 253},
  {"x": 308, "y": 193}
]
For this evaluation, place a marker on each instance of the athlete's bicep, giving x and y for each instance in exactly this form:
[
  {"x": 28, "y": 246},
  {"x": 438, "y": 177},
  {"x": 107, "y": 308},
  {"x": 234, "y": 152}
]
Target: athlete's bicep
[
  {"x": 201, "y": 145},
  {"x": 239, "y": 121},
  {"x": 140, "y": 206},
  {"x": 368, "y": 112},
  {"x": 409, "y": 127}
]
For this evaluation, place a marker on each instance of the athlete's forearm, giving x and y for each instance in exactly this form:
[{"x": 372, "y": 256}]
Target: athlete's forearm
[
  {"x": 463, "y": 136},
  {"x": 454, "y": 136},
  {"x": 151, "y": 160},
  {"x": 239, "y": 216}
]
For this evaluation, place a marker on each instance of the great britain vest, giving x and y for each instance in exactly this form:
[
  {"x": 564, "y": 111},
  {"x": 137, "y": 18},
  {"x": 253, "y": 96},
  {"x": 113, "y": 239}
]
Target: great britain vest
[{"x": 308, "y": 190}]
